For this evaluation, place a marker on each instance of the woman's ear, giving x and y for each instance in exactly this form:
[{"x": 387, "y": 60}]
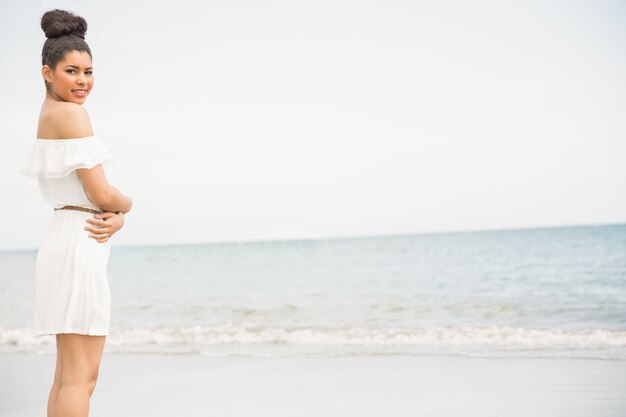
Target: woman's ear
[{"x": 47, "y": 73}]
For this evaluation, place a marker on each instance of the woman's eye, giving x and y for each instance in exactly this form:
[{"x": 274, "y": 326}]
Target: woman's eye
[{"x": 86, "y": 72}]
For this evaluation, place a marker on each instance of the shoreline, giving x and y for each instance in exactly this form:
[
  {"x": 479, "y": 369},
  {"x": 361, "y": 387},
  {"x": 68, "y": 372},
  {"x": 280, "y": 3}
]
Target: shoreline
[{"x": 158, "y": 384}]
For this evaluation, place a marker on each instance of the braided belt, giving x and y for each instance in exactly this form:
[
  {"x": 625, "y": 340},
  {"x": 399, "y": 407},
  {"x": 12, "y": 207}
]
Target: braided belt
[{"x": 78, "y": 208}]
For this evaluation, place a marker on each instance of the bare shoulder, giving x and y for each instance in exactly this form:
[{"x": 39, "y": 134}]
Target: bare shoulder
[
  {"x": 73, "y": 121},
  {"x": 65, "y": 120}
]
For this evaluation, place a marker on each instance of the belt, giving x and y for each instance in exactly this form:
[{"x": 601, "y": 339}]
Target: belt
[{"x": 78, "y": 208}]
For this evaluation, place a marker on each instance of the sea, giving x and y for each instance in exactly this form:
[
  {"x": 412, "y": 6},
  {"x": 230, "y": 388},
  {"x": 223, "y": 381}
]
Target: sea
[{"x": 543, "y": 292}]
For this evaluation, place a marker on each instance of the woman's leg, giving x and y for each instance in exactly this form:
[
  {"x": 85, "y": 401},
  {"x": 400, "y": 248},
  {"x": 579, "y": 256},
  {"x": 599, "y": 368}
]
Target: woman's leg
[
  {"x": 80, "y": 357},
  {"x": 56, "y": 385}
]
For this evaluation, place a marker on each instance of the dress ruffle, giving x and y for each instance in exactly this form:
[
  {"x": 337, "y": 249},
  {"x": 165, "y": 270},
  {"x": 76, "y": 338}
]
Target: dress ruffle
[{"x": 55, "y": 158}]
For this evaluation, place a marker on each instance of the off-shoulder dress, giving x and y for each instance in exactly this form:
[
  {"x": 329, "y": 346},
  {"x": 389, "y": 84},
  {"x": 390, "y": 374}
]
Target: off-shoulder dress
[{"x": 72, "y": 289}]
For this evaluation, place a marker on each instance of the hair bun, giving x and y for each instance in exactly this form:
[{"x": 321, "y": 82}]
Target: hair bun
[{"x": 56, "y": 23}]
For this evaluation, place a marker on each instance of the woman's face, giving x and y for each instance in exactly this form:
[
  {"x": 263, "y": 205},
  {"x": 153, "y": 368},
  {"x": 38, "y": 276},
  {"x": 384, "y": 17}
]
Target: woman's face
[{"x": 72, "y": 80}]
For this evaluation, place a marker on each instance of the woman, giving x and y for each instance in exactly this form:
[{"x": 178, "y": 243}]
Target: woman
[{"x": 72, "y": 299}]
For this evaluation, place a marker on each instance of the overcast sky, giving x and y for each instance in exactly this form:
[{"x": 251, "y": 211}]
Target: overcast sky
[{"x": 247, "y": 120}]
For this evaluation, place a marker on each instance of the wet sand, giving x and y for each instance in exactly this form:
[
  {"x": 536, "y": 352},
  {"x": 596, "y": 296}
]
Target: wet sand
[{"x": 401, "y": 386}]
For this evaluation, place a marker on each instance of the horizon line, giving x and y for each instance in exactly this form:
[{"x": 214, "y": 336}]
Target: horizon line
[{"x": 346, "y": 237}]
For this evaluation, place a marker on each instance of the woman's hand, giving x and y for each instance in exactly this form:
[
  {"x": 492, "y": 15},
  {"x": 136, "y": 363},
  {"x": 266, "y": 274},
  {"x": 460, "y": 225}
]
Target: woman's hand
[{"x": 104, "y": 225}]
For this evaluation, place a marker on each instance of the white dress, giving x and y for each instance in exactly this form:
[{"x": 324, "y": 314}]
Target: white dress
[{"x": 72, "y": 288}]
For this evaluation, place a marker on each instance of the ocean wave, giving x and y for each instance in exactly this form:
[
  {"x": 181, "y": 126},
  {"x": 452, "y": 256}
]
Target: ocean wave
[{"x": 359, "y": 339}]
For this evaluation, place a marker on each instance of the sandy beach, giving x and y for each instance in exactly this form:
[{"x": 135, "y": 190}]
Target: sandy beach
[{"x": 399, "y": 386}]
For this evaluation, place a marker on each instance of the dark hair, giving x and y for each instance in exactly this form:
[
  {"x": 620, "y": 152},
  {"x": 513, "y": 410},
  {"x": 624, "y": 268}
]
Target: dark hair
[{"x": 65, "y": 32}]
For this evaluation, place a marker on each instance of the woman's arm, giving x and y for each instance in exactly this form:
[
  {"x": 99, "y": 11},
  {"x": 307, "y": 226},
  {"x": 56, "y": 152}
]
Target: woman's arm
[
  {"x": 101, "y": 193},
  {"x": 74, "y": 123}
]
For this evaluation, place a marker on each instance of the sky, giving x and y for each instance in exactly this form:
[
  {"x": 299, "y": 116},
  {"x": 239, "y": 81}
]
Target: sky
[{"x": 247, "y": 120}]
